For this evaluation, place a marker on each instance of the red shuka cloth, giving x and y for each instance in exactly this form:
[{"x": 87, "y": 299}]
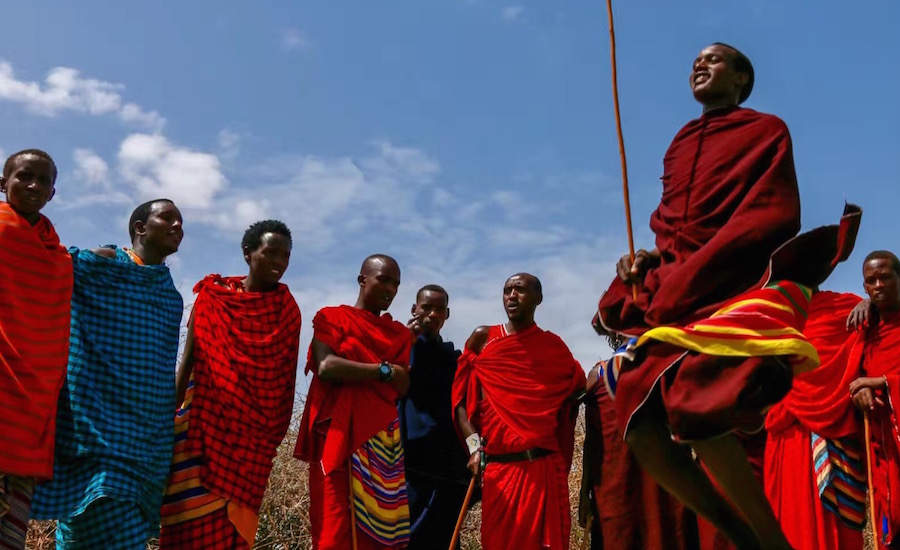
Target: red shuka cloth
[
  {"x": 729, "y": 200},
  {"x": 245, "y": 368},
  {"x": 633, "y": 511},
  {"x": 527, "y": 380},
  {"x": 878, "y": 354},
  {"x": 35, "y": 310},
  {"x": 817, "y": 403},
  {"x": 338, "y": 418}
]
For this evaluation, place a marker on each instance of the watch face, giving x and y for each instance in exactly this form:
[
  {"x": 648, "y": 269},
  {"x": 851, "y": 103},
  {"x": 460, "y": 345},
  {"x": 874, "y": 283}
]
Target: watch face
[{"x": 384, "y": 371}]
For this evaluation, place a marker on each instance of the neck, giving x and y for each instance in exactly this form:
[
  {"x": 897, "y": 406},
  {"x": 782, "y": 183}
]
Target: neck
[
  {"x": 146, "y": 255},
  {"x": 889, "y": 309},
  {"x": 718, "y": 105},
  {"x": 361, "y": 304},
  {"x": 32, "y": 218},
  {"x": 252, "y": 285},
  {"x": 518, "y": 325}
]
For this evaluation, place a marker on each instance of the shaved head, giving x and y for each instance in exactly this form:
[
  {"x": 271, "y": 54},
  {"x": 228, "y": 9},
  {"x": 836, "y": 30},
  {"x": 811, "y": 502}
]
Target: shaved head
[
  {"x": 379, "y": 279},
  {"x": 531, "y": 279},
  {"x": 375, "y": 262}
]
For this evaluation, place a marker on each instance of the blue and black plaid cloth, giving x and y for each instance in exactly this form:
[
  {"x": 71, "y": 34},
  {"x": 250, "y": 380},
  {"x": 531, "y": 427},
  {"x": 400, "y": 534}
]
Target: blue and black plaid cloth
[{"x": 115, "y": 433}]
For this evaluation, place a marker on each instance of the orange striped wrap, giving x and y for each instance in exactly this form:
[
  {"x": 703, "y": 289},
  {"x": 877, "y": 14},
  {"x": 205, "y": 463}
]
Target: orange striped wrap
[
  {"x": 763, "y": 322},
  {"x": 35, "y": 310}
]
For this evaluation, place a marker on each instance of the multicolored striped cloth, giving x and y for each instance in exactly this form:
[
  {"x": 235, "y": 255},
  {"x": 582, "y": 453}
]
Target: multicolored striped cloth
[
  {"x": 15, "y": 506},
  {"x": 763, "y": 322},
  {"x": 841, "y": 478},
  {"x": 114, "y": 428},
  {"x": 379, "y": 488},
  {"x": 187, "y": 500}
]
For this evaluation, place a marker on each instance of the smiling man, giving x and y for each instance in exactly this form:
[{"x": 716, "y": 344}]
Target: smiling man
[
  {"x": 350, "y": 430},
  {"x": 236, "y": 390},
  {"x": 514, "y": 400},
  {"x": 696, "y": 305},
  {"x": 114, "y": 427}
]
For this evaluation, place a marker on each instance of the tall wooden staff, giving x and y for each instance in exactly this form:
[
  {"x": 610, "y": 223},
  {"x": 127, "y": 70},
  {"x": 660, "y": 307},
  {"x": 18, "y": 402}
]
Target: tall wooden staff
[
  {"x": 615, "y": 87},
  {"x": 870, "y": 485}
]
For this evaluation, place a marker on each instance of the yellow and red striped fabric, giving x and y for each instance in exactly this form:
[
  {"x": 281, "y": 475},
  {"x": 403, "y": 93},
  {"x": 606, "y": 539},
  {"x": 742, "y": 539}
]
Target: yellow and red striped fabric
[
  {"x": 762, "y": 322},
  {"x": 35, "y": 310}
]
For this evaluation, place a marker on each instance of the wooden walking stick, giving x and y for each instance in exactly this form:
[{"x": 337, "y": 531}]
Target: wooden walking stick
[
  {"x": 870, "y": 487},
  {"x": 462, "y": 513},
  {"x": 352, "y": 505},
  {"x": 615, "y": 87},
  {"x": 585, "y": 542}
]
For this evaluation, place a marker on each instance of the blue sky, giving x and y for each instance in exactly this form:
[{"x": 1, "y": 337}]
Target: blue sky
[{"x": 471, "y": 139}]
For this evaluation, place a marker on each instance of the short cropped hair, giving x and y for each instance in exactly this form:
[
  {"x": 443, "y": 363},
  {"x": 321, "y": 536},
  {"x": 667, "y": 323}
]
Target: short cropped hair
[
  {"x": 7, "y": 167},
  {"x": 142, "y": 213},
  {"x": 741, "y": 63},
  {"x": 433, "y": 288},
  {"x": 884, "y": 255},
  {"x": 253, "y": 236}
]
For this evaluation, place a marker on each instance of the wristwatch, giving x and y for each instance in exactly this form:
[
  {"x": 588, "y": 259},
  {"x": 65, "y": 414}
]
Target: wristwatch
[{"x": 385, "y": 372}]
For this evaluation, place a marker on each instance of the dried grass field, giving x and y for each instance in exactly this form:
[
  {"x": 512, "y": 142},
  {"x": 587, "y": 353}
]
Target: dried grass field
[{"x": 284, "y": 523}]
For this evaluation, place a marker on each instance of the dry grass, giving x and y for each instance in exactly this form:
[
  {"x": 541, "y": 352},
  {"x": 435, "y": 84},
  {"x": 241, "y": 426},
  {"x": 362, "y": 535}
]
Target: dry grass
[{"x": 284, "y": 518}]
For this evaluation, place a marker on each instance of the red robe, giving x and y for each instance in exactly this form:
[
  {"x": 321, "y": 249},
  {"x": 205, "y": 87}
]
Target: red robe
[
  {"x": 818, "y": 403},
  {"x": 35, "y": 308},
  {"x": 339, "y": 418},
  {"x": 633, "y": 511},
  {"x": 729, "y": 202},
  {"x": 878, "y": 354},
  {"x": 245, "y": 350},
  {"x": 527, "y": 379}
]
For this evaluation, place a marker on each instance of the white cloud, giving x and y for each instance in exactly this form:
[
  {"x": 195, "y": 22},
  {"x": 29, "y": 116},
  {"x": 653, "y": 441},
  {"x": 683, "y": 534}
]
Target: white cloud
[
  {"x": 133, "y": 114},
  {"x": 229, "y": 145},
  {"x": 511, "y": 13},
  {"x": 64, "y": 89},
  {"x": 157, "y": 168},
  {"x": 295, "y": 40},
  {"x": 90, "y": 169}
]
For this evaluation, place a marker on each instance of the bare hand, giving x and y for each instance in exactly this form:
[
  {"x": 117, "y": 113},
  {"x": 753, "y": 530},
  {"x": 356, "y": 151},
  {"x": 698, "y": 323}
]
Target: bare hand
[
  {"x": 400, "y": 380},
  {"x": 863, "y": 394},
  {"x": 630, "y": 272},
  {"x": 860, "y": 315},
  {"x": 415, "y": 325},
  {"x": 474, "y": 464}
]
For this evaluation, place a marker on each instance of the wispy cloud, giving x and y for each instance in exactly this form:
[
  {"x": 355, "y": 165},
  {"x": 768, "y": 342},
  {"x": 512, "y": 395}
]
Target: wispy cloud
[
  {"x": 511, "y": 13},
  {"x": 155, "y": 167},
  {"x": 295, "y": 40},
  {"x": 65, "y": 89}
]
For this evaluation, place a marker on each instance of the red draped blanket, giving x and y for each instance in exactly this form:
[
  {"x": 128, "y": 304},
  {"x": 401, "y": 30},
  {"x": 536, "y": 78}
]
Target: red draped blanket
[
  {"x": 818, "y": 404},
  {"x": 245, "y": 353},
  {"x": 35, "y": 309},
  {"x": 527, "y": 380},
  {"x": 729, "y": 200},
  {"x": 338, "y": 418}
]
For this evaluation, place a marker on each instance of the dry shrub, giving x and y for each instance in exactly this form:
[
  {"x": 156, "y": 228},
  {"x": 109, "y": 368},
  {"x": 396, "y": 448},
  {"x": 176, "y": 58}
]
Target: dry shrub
[{"x": 284, "y": 514}]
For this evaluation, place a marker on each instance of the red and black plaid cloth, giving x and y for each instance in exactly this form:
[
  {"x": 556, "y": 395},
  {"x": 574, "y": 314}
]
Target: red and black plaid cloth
[{"x": 245, "y": 352}]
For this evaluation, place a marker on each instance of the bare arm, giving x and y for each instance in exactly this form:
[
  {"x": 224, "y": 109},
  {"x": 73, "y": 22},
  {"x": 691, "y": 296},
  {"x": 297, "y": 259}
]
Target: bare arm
[
  {"x": 105, "y": 252},
  {"x": 337, "y": 369},
  {"x": 183, "y": 378},
  {"x": 474, "y": 344}
]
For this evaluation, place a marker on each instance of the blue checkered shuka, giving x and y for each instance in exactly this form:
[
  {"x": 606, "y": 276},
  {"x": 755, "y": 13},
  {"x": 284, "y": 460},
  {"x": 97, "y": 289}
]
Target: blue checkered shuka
[{"x": 115, "y": 422}]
